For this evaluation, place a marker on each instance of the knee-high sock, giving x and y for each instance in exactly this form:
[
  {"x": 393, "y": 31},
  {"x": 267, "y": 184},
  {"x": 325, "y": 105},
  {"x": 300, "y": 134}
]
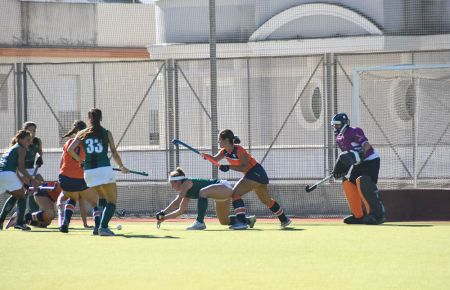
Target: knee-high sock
[
  {"x": 37, "y": 216},
  {"x": 101, "y": 203},
  {"x": 7, "y": 207},
  {"x": 239, "y": 209},
  {"x": 21, "y": 206},
  {"x": 96, "y": 215},
  {"x": 278, "y": 211},
  {"x": 202, "y": 206},
  {"x": 108, "y": 213},
  {"x": 68, "y": 211},
  {"x": 353, "y": 198}
]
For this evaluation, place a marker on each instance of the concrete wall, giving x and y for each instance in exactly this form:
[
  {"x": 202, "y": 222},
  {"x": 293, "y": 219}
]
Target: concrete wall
[
  {"x": 76, "y": 24},
  {"x": 181, "y": 21},
  {"x": 10, "y": 22}
]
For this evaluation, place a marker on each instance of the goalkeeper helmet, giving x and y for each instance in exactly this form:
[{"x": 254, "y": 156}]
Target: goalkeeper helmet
[{"x": 342, "y": 120}]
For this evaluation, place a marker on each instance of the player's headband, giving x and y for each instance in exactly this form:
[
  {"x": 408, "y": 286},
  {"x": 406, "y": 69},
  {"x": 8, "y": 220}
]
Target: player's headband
[{"x": 175, "y": 178}]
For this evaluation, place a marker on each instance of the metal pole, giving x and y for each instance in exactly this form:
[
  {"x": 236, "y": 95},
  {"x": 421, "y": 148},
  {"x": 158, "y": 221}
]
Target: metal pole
[
  {"x": 94, "y": 85},
  {"x": 24, "y": 93},
  {"x": 19, "y": 95},
  {"x": 416, "y": 131},
  {"x": 170, "y": 112},
  {"x": 213, "y": 80},
  {"x": 176, "y": 108},
  {"x": 249, "y": 117}
]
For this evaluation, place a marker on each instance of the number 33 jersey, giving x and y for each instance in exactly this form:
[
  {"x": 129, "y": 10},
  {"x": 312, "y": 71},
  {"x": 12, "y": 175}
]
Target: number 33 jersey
[{"x": 96, "y": 151}]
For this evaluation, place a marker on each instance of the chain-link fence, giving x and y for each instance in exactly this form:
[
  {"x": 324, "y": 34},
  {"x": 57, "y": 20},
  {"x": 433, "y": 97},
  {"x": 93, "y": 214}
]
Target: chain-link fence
[{"x": 279, "y": 106}]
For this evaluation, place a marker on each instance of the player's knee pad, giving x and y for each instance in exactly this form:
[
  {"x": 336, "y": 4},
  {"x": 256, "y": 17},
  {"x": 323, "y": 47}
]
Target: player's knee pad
[
  {"x": 353, "y": 198},
  {"x": 369, "y": 192}
]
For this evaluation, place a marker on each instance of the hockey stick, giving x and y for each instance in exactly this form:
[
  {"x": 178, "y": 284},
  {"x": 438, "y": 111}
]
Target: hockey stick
[
  {"x": 314, "y": 186},
  {"x": 133, "y": 171},
  {"x": 41, "y": 187},
  {"x": 177, "y": 142}
]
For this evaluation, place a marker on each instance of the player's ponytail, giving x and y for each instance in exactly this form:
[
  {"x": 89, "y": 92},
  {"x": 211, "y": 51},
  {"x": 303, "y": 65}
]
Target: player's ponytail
[
  {"x": 21, "y": 134},
  {"x": 177, "y": 172},
  {"x": 228, "y": 134},
  {"x": 95, "y": 129},
  {"x": 77, "y": 126}
]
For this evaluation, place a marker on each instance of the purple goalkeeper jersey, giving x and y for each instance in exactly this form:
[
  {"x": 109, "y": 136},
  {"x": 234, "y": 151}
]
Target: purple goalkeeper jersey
[{"x": 354, "y": 139}]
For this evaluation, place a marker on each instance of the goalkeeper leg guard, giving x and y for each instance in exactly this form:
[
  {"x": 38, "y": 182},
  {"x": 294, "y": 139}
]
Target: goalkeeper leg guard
[
  {"x": 353, "y": 199},
  {"x": 370, "y": 195}
]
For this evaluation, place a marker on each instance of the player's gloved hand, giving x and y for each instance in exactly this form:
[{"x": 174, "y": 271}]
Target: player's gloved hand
[
  {"x": 340, "y": 170},
  {"x": 224, "y": 168},
  {"x": 39, "y": 161},
  {"x": 160, "y": 215}
]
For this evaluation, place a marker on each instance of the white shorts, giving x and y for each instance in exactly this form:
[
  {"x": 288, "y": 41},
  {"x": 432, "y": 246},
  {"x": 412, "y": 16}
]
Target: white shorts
[
  {"x": 226, "y": 183},
  {"x": 9, "y": 181},
  {"x": 99, "y": 176},
  {"x": 29, "y": 170}
]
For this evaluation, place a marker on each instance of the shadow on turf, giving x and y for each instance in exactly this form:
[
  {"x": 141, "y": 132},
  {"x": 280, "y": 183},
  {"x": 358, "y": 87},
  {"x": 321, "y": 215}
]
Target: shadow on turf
[
  {"x": 382, "y": 225},
  {"x": 128, "y": 236}
]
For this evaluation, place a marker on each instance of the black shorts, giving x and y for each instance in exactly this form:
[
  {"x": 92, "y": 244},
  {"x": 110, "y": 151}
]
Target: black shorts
[
  {"x": 72, "y": 184},
  {"x": 258, "y": 174},
  {"x": 369, "y": 168}
]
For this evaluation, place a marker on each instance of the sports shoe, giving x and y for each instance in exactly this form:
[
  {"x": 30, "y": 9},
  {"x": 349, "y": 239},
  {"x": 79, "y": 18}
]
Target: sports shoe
[
  {"x": 196, "y": 226},
  {"x": 95, "y": 231},
  {"x": 372, "y": 219},
  {"x": 106, "y": 232},
  {"x": 64, "y": 229},
  {"x": 251, "y": 220},
  {"x": 352, "y": 220},
  {"x": 286, "y": 223},
  {"x": 238, "y": 226},
  {"x": 22, "y": 227}
]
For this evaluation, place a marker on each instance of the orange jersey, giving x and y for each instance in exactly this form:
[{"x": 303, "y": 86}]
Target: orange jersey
[
  {"x": 234, "y": 158},
  {"x": 70, "y": 167},
  {"x": 54, "y": 194}
]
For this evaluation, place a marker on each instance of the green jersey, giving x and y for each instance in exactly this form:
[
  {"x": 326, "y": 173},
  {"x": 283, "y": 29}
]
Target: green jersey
[
  {"x": 10, "y": 159},
  {"x": 198, "y": 184},
  {"x": 96, "y": 151},
  {"x": 32, "y": 150}
]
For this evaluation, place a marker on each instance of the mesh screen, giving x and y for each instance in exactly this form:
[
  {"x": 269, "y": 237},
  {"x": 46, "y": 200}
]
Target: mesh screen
[
  {"x": 405, "y": 111},
  {"x": 284, "y": 68}
]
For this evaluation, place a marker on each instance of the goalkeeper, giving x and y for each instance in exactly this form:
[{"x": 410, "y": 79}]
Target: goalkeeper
[{"x": 360, "y": 187}]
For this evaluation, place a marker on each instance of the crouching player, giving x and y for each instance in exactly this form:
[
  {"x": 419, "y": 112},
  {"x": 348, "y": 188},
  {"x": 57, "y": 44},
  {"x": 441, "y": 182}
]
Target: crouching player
[
  {"x": 46, "y": 200},
  {"x": 200, "y": 189},
  {"x": 361, "y": 186}
]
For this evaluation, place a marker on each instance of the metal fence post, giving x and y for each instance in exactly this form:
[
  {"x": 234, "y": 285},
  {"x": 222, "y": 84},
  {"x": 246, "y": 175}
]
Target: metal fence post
[
  {"x": 19, "y": 95},
  {"x": 213, "y": 80}
]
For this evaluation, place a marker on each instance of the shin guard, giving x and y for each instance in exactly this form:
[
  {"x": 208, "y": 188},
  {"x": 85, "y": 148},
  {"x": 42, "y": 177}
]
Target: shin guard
[
  {"x": 353, "y": 198},
  {"x": 370, "y": 196}
]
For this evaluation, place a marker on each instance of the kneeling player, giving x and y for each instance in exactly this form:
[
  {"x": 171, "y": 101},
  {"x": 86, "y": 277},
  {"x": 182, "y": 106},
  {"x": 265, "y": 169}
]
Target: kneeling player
[
  {"x": 201, "y": 189},
  {"x": 360, "y": 188},
  {"x": 46, "y": 200}
]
